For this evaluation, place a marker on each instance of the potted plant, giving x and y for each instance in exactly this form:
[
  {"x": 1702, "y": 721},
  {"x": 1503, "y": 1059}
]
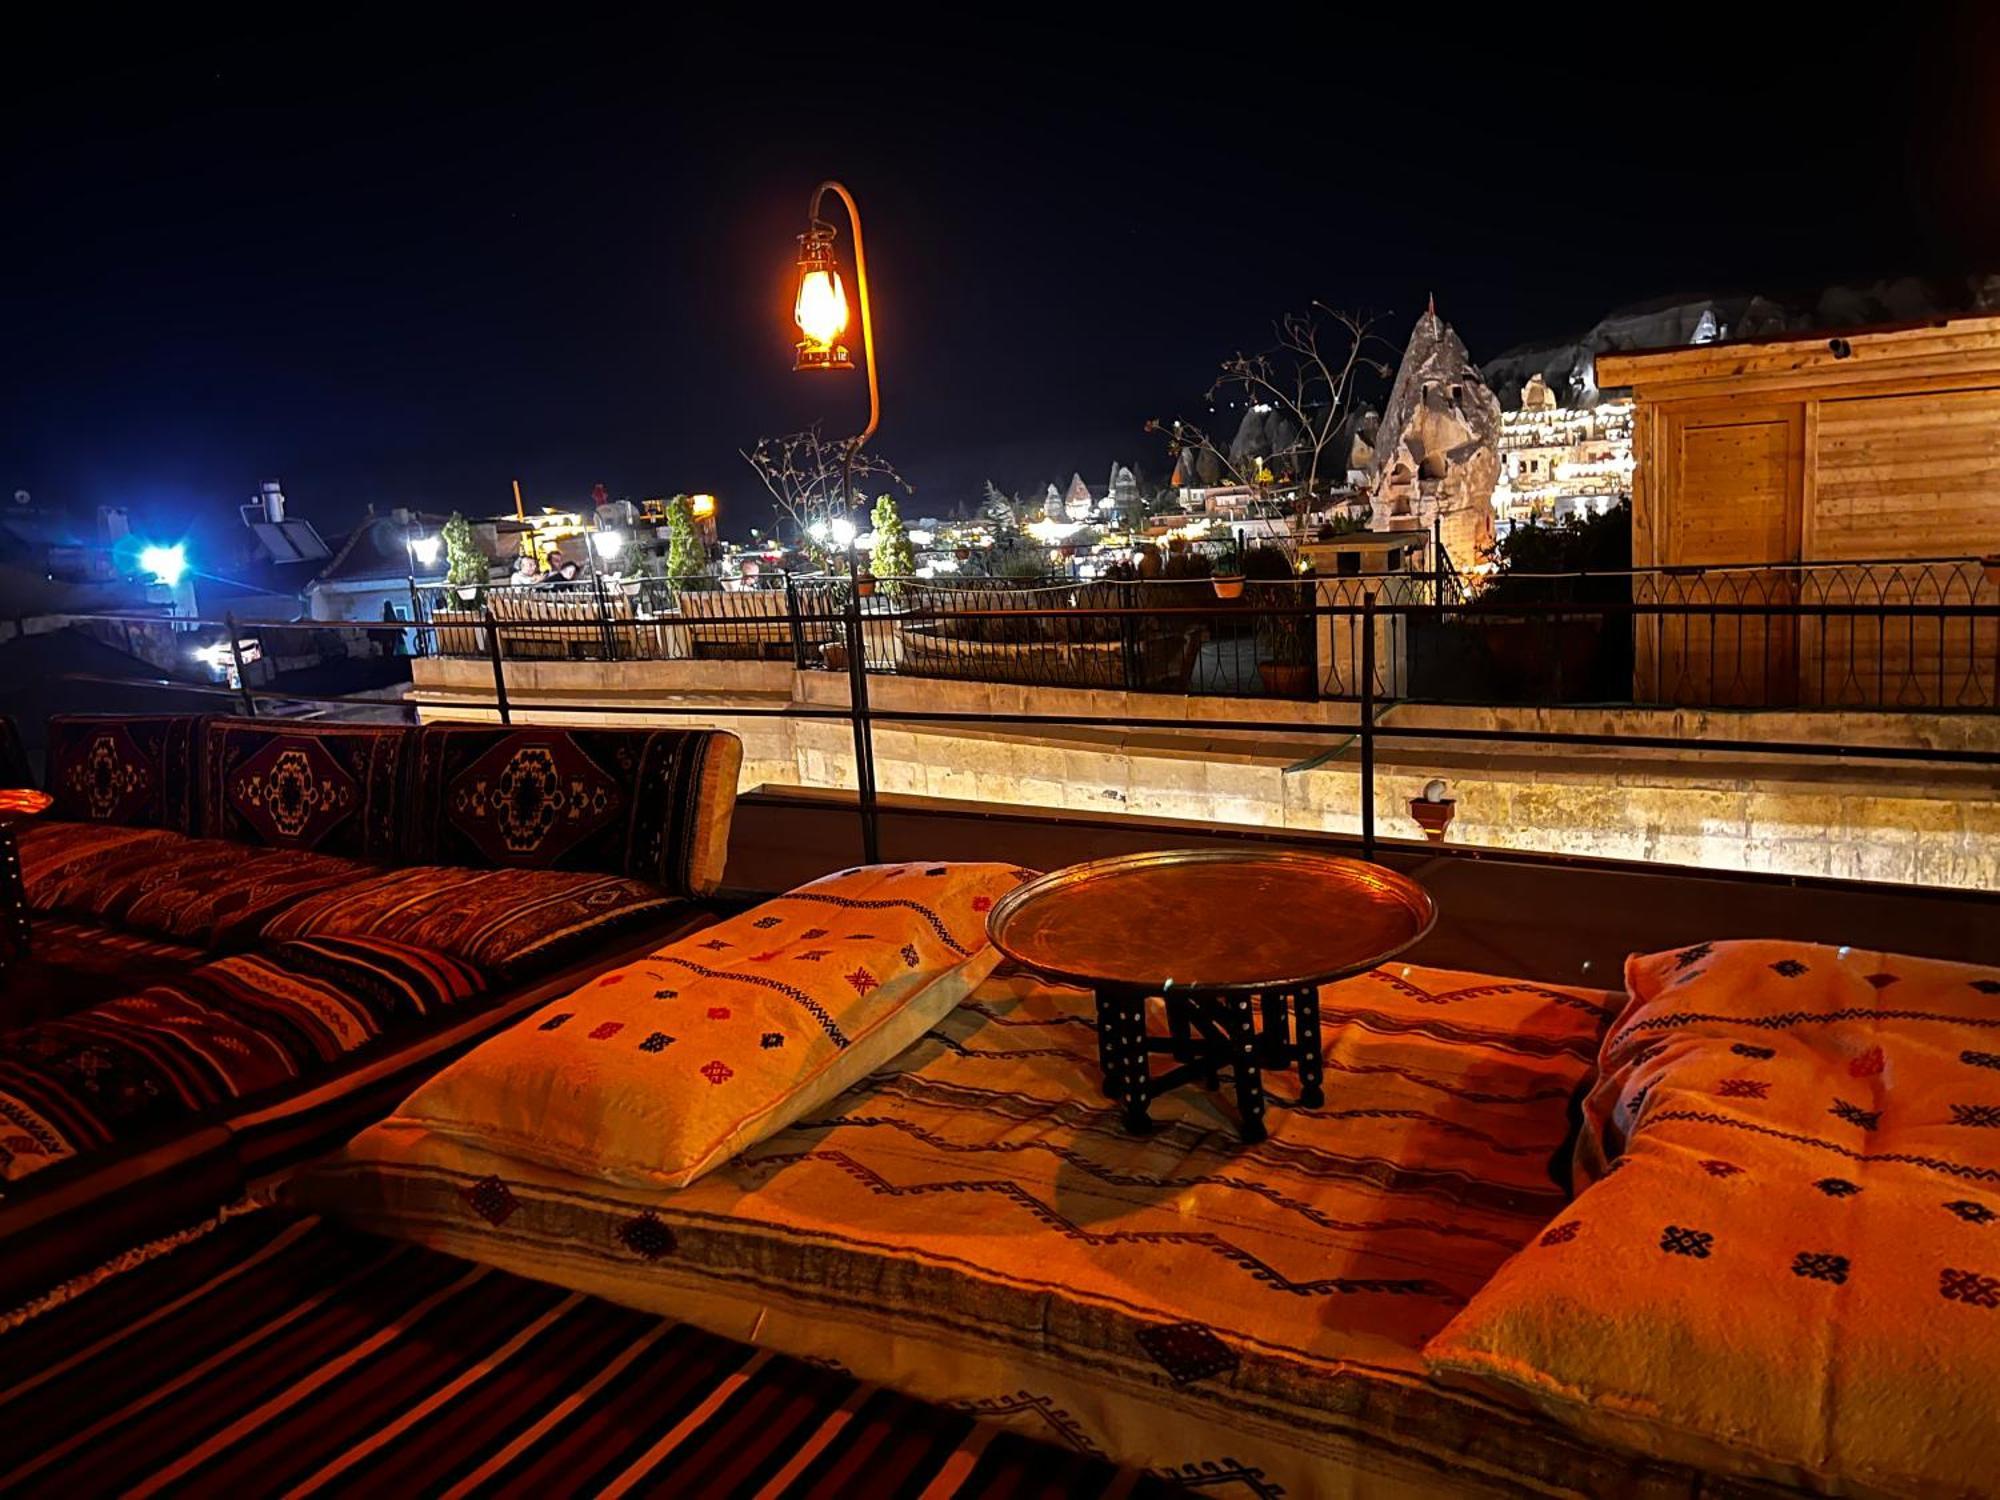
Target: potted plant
[
  {"x": 466, "y": 569},
  {"x": 864, "y": 584},
  {"x": 833, "y": 655},
  {"x": 1283, "y": 629},
  {"x": 1228, "y": 585}
]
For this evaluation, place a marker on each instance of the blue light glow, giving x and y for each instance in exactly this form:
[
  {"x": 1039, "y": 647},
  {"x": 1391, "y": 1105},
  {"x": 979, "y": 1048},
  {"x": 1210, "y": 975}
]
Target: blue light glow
[{"x": 166, "y": 564}]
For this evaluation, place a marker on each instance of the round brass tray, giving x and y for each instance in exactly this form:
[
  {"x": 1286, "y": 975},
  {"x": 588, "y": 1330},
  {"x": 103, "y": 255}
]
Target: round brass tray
[{"x": 1215, "y": 920}]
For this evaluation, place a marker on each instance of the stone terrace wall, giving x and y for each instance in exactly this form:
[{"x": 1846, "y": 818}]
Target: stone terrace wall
[{"x": 1908, "y": 823}]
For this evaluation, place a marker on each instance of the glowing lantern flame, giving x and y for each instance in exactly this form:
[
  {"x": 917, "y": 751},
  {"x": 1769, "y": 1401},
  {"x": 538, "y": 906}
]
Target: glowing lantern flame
[{"x": 821, "y": 309}]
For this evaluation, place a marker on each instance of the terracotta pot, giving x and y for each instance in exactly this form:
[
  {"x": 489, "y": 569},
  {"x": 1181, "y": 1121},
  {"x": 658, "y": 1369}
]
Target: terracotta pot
[
  {"x": 1433, "y": 817},
  {"x": 864, "y": 585},
  {"x": 1285, "y": 679},
  {"x": 1228, "y": 585},
  {"x": 833, "y": 656}
]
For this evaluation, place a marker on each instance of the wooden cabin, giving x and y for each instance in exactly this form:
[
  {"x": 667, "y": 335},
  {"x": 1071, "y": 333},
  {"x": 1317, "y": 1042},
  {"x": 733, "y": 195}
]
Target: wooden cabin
[{"x": 1842, "y": 459}]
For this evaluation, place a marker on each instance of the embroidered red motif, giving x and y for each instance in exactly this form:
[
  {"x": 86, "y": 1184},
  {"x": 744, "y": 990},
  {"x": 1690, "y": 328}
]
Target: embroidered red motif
[
  {"x": 1867, "y": 1064},
  {"x": 763, "y": 958},
  {"x": 609, "y": 979},
  {"x": 863, "y": 981},
  {"x": 1744, "y": 1088},
  {"x": 606, "y": 1028},
  {"x": 717, "y": 1071},
  {"x": 982, "y": 903},
  {"x": 718, "y": 1013}
]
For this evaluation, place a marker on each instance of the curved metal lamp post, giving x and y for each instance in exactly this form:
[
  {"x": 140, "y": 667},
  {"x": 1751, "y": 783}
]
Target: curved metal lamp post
[{"x": 820, "y": 310}]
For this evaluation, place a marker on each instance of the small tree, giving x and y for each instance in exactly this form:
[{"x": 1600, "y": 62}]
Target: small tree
[
  {"x": 893, "y": 559},
  {"x": 466, "y": 571},
  {"x": 685, "y": 555}
]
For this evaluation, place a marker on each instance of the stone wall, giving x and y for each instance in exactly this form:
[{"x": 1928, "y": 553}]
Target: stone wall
[{"x": 1919, "y": 823}]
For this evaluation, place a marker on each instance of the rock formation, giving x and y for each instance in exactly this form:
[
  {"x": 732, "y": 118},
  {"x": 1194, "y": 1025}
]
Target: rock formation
[{"x": 1436, "y": 454}]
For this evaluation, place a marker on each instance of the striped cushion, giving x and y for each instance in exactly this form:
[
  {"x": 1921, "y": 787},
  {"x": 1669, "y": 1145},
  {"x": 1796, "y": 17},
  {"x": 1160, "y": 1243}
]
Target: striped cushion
[
  {"x": 208, "y": 891},
  {"x": 176, "y": 1052},
  {"x": 508, "y": 922},
  {"x": 74, "y": 964}
]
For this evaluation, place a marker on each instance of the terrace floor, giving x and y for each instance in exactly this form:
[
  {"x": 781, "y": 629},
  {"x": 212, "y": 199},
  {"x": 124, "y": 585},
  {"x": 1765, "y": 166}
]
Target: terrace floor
[{"x": 1558, "y": 920}]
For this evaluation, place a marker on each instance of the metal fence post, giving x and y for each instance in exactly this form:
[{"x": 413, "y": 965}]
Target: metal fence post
[
  {"x": 604, "y": 630},
  {"x": 864, "y": 738},
  {"x": 798, "y": 626},
  {"x": 236, "y": 655},
  {"x": 1368, "y": 724},
  {"x": 1128, "y": 637},
  {"x": 499, "y": 669}
]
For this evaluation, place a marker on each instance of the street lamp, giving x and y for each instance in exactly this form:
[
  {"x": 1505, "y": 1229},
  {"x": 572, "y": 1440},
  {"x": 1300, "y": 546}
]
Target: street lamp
[{"x": 820, "y": 311}]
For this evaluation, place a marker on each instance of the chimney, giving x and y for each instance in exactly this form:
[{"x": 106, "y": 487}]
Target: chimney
[{"x": 273, "y": 499}]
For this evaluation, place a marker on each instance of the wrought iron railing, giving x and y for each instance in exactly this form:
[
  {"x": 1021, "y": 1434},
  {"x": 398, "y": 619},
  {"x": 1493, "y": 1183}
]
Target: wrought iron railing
[
  {"x": 511, "y": 700},
  {"x": 1863, "y": 635}
]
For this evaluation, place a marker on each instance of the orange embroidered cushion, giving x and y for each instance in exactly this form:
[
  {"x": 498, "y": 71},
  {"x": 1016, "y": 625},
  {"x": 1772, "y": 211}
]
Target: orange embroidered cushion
[
  {"x": 653, "y": 1073},
  {"x": 1789, "y": 1262}
]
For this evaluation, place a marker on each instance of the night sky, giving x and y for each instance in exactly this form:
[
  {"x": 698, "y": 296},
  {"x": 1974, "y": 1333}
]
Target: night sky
[{"x": 400, "y": 267}]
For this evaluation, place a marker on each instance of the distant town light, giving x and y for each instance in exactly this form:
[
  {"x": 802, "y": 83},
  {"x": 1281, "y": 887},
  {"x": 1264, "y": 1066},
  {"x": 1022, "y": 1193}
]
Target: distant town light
[
  {"x": 425, "y": 550},
  {"x": 166, "y": 564},
  {"x": 842, "y": 531},
  {"x": 701, "y": 507},
  {"x": 922, "y": 538},
  {"x": 608, "y": 543}
]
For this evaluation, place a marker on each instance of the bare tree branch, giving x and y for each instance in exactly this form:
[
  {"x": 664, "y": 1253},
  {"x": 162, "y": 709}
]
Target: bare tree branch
[
  {"x": 1309, "y": 376},
  {"x": 805, "y": 474}
]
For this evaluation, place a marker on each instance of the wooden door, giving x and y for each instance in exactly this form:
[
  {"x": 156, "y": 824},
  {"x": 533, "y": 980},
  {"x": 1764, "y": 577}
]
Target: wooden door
[{"x": 1733, "y": 497}]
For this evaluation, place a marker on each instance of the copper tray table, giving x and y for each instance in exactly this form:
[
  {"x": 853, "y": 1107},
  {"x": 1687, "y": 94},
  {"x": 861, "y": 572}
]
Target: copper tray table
[{"x": 1236, "y": 944}]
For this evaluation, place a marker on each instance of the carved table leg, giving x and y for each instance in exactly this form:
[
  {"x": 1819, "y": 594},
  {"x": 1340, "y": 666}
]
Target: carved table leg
[
  {"x": 13, "y": 897},
  {"x": 1121, "y": 1021},
  {"x": 1249, "y": 1077},
  {"x": 1107, "y": 1068},
  {"x": 1312, "y": 1067}
]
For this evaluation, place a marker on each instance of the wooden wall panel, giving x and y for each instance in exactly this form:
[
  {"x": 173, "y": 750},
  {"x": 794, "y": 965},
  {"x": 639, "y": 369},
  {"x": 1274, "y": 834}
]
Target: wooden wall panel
[{"x": 1908, "y": 476}]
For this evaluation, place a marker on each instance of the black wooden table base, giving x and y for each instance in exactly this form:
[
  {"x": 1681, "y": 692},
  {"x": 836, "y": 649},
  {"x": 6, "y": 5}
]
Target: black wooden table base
[{"x": 1209, "y": 1032}]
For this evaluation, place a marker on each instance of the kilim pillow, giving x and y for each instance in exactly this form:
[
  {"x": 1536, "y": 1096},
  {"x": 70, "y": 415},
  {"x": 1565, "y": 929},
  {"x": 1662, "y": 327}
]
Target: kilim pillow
[
  {"x": 1789, "y": 1264},
  {"x": 656, "y": 1072}
]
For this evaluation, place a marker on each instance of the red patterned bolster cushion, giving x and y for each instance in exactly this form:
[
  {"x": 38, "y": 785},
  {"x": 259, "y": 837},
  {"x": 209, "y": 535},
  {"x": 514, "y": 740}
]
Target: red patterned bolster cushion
[
  {"x": 506, "y": 922},
  {"x": 649, "y": 804},
  {"x": 208, "y": 891},
  {"x": 181, "y": 1051},
  {"x": 331, "y": 788},
  {"x": 136, "y": 770}
]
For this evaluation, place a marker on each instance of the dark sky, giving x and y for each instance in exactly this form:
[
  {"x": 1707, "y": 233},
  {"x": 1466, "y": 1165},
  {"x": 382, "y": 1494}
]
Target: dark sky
[{"x": 400, "y": 266}]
